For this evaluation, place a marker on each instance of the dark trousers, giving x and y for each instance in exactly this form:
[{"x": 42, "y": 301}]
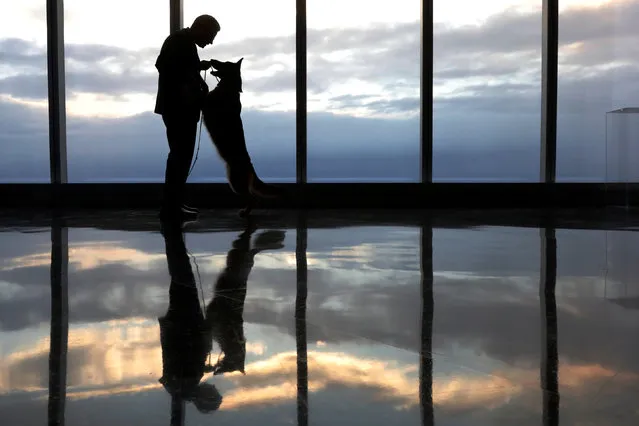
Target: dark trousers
[
  {"x": 181, "y": 132},
  {"x": 185, "y": 344}
]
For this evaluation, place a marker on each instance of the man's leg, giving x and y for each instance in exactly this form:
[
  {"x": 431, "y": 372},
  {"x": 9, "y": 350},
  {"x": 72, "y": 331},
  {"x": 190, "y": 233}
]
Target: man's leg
[
  {"x": 190, "y": 136},
  {"x": 181, "y": 135}
]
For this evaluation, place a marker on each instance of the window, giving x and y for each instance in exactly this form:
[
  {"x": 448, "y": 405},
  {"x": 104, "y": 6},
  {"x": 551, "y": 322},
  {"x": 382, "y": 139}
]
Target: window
[
  {"x": 24, "y": 116},
  {"x": 112, "y": 133},
  {"x": 597, "y": 73},
  {"x": 363, "y": 91},
  {"x": 265, "y": 38},
  {"x": 487, "y": 91}
]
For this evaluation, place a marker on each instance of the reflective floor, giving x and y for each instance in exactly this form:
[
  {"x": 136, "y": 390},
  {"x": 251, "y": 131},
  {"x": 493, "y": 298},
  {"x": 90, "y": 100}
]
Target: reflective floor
[{"x": 331, "y": 319}]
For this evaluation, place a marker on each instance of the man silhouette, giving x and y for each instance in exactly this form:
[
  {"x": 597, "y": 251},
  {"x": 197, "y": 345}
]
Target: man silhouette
[
  {"x": 181, "y": 90},
  {"x": 184, "y": 335}
]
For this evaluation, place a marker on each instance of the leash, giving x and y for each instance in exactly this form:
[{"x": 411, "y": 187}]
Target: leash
[
  {"x": 208, "y": 365},
  {"x": 199, "y": 136}
]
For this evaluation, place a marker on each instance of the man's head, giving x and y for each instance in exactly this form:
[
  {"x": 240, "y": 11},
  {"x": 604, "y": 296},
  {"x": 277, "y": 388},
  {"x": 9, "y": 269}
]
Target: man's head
[
  {"x": 204, "y": 30},
  {"x": 207, "y": 398}
]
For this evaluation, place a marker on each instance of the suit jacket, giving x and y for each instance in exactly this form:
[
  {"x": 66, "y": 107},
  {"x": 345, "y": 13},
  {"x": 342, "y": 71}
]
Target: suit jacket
[{"x": 179, "y": 78}]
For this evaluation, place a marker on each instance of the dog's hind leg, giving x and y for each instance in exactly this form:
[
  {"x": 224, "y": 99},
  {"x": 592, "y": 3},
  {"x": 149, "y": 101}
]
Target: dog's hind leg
[{"x": 246, "y": 211}]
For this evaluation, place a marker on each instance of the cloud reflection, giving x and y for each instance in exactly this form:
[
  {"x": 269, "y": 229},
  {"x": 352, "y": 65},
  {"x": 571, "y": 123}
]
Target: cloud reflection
[
  {"x": 119, "y": 357},
  {"x": 124, "y": 357},
  {"x": 473, "y": 296}
]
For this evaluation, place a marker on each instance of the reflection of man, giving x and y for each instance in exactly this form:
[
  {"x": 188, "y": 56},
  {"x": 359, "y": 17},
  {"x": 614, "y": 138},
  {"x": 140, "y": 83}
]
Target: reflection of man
[
  {"x": 185, "y": 342},
  {"x": 180, "y": 92}
]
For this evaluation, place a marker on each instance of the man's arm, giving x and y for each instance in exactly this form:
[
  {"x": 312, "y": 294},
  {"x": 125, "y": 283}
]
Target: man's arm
[
  {"x": 174, "y": 63},
  {"x": 172, "y": 59}
]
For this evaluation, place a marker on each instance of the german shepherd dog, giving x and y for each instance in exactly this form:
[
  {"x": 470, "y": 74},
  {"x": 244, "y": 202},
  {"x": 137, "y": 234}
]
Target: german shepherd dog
[{"x": 221, "y": 111}]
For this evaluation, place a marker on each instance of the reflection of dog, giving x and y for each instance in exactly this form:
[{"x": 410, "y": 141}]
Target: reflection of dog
[
  {"x": 224, "y": 314},
  {"x": 221, "y": 111}
]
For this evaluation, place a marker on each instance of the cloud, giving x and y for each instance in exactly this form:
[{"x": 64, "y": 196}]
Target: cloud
[
  {"x": 93, "y": 54},
  {"x": 462, "y": 71},
  {"x": 125, "y": 83},
  {"x": 258, "y": 48},
  {"x": 104, "y": 363},
  {"x": 87, "y": 70},
  {"x": 25, "y": 86},
  {"x": 22, "y": 55},
  {"x": 24, "y": 143},
  {"x": 486, "y": 79},
  {"x": 394, "y": 106},
  {"x": 21, "y": 123},
  {"x": 500, "y": 98},
  {"x": 506, "y": 46},
  {"x": 282, "y": 81}
]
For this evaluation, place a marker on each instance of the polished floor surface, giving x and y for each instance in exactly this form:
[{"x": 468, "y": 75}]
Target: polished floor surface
[{"x": 322, "y": 318}]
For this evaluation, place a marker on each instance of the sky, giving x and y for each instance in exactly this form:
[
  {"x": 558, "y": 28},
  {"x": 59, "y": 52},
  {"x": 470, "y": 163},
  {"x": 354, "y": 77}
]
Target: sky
[
  {"x": 363, "y": 326},
  {"x": 363, "y": 82}
]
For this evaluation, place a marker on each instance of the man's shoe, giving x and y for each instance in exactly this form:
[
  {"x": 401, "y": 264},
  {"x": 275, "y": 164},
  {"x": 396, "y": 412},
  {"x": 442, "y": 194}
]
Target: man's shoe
[{"x": 189, "y": 208}]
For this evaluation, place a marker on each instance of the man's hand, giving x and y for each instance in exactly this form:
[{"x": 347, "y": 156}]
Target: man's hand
[
  {"x": 205, "y": 65},
  {"x": 187, "y": 96},
  {"x": 193, "y": 94}
]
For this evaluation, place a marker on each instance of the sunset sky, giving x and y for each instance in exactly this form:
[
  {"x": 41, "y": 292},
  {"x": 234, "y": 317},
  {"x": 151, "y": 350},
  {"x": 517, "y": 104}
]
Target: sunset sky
[
  {"x": 363, "y": 88},
  {"x": 141, "y": 26}
]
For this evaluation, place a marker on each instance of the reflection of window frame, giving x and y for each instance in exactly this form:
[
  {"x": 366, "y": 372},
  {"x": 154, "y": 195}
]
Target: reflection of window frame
[
  {"x": 515, "y": 195},
  {"x": 59, "y": 332}
]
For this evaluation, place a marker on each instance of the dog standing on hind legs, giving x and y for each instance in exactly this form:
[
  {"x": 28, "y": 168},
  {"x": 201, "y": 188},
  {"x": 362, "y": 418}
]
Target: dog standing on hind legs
[{"x": 221, "y": 112}]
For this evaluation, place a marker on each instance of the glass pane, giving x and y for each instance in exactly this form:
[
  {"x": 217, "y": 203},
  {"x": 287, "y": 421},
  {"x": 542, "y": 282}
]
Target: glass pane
[
  {"x": 265, "y": 38},
  {"x": 597, "y": 74},
  {"x": 25, "y": 315},
  {"x": 487, "y": 90},
  {"x": 24, "y": 115},
  {"x": 112, "y": 133},
  {"x": 363, "y": 91}
]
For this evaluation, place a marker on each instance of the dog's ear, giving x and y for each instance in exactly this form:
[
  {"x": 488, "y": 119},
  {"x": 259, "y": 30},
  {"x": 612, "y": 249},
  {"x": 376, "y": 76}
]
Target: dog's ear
[{"x": 239, "y": 63}]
